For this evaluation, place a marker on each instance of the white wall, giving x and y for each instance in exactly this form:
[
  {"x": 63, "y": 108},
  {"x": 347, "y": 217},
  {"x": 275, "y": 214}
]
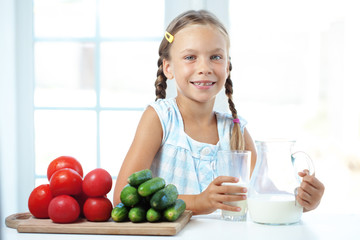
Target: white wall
[
  {"x": 25, "y": 102},
  {"x": 8, "y": 156},
  {"x": 16, "y": 113}
]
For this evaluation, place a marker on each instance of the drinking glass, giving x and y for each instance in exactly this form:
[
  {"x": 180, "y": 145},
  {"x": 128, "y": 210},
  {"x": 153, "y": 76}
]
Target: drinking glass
[{"x": 235, "y": 164}]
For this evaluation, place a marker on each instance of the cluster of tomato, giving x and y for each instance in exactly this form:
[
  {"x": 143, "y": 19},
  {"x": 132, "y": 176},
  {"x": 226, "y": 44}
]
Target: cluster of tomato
[{"x": 69, "y": 196}]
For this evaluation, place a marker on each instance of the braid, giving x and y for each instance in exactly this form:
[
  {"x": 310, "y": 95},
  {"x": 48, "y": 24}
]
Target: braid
[
  {"x": 237, "y": 138},
  {"x": 160, "y": 83}
]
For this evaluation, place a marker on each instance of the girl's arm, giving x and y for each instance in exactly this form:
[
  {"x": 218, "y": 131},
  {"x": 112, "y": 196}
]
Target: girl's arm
[
  {"x": 142, "y": 151},
  {"x": 214, "y": 195}
]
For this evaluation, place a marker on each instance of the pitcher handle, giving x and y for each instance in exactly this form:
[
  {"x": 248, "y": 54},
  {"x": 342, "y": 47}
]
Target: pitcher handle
[{"x": 299, "y": 155}]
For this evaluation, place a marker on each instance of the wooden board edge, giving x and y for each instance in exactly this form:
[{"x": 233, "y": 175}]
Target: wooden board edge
[
  {"x": 183, "y": 221},
  {"x": 99, "y": 231},
  {"x": 15, "y": 220}
]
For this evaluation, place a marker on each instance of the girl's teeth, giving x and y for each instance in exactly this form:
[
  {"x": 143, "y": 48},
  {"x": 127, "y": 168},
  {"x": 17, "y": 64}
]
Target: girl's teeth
[{"x": 202, "y": 84}]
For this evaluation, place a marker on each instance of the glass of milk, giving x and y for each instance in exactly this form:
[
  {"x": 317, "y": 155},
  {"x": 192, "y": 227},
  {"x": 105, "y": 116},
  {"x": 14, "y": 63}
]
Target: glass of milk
[{"x": 235, "y": 164}]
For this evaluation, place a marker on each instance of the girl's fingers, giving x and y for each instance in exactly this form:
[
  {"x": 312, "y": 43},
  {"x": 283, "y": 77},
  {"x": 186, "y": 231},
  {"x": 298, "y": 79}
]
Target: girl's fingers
[
  {"x": 232, "y": 197},
  {"x": 303, "y": 195},
  {"x": 308, "y": 188},
  {"x": 310, "y": 192},
  {"x": 303, "y": 202},
  {"x": 225, "y": 204},
  {"x": 313, "y": 181},
  {"x": 313, "y": 187},
  {"x": 311, "y": 184},
  {"x": 229, "y": 208},
  {"x": 232, "y": 189},
  {"x": 221, "y": 179},
  {"x": 223, "y": 187}
]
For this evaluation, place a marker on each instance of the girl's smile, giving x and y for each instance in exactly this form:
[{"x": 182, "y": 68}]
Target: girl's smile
[{"x": 203, "y": 84}]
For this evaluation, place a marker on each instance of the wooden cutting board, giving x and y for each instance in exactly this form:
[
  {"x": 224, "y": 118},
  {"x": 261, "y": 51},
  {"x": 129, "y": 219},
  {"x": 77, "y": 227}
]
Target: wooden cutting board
[{"x": 26, "y": 223}]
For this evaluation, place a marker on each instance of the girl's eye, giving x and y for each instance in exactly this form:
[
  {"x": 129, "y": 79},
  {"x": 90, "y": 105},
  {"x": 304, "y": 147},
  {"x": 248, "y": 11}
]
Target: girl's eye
[
  {"x": 190, "y": 58},
  {"x": 216, "y": 57}
]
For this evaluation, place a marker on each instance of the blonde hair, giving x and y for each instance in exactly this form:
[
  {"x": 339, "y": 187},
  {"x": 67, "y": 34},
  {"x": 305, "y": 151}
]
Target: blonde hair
[{"x": 201, "y": 17}]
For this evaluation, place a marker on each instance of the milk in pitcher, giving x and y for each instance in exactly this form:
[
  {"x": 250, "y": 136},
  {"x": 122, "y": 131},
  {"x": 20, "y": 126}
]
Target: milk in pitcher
[{"x": 274, "y": 209}]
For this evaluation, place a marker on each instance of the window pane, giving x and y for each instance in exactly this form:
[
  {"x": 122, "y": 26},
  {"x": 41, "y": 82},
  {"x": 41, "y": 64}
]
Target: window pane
[
  {"x": 60, "y": 133},
  {"x": 63, "y": 18},
  {"x": 64, "y": 74},
  {"x": 128, "y": 73},
  {"x": 136, "y": 18},
  {"x": 117, "y": 130}
]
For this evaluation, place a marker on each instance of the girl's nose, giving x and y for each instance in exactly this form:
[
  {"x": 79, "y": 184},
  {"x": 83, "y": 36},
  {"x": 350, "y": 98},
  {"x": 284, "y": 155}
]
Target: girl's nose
[{"x": 204, "y": 66}]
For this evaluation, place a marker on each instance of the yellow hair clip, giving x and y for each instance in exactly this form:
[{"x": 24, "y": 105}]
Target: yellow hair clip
[{"x": 169, "y": 37}]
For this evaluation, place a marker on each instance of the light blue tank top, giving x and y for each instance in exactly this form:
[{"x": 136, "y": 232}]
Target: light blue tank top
[{"x": 181, "y": 160}]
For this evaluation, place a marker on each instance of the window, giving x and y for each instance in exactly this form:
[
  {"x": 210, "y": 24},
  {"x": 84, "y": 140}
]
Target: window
[
  {"x": 94, "y": 67},
  {"x": 94, "y": 73},
  {"x": 64, "y": 76}
]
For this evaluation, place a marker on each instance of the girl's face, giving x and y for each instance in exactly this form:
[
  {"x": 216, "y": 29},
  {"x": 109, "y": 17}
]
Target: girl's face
[{"x": 199, "y": 62}]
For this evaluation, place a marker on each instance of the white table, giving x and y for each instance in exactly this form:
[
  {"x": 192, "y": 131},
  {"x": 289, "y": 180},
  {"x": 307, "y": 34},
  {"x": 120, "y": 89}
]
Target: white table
[{"x": 312, "y": 226}]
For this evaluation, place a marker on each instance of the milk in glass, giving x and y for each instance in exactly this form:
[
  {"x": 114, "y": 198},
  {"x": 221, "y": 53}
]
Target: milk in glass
[{"x": 234, "y": 215}]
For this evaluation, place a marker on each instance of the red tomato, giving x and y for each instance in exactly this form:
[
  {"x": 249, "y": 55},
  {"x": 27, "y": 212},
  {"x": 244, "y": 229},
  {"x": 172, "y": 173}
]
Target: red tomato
[
  {"x": 64, "y": 209},
  {"x": 64, "y": 162},
  {"x": 97, "y": 183},
  {"x": 97, "y": 209},
  {"x": 39, "y": 200},
  {"x": 65, "y": 181}
]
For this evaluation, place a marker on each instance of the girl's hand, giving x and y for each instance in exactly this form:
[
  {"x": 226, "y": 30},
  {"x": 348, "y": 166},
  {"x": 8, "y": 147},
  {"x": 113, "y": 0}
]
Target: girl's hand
[
  {"x": 310, "y": 191},
  {"x": 215, "y": 194}
]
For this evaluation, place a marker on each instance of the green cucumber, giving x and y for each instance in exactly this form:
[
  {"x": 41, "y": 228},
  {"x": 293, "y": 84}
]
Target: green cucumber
[
  {"x": 153, "y": 215},
  {"x": 151, "y": 186},
  {"x": 120, "y": 213},
  {"x": 129, "y": 196},
  {"x": 139, "y": 177},
  {"x": 164, "y": 198},
  {"x": 137, "y": 214},
  {"x": 174, "y": 212}
]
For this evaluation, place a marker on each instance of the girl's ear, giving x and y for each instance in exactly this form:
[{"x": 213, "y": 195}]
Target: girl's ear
[{"x": 167, "y": 69}]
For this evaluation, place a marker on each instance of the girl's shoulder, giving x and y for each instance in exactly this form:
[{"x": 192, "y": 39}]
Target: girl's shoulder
[
  {"x": 164, "y": 107},
  {"x": 169, "y": 115},
  {"x": 164, "y": 103}
]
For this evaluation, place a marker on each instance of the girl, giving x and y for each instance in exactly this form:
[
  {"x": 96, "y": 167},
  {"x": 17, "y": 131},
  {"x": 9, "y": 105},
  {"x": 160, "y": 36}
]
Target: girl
[{"x": 178, "y": 138}]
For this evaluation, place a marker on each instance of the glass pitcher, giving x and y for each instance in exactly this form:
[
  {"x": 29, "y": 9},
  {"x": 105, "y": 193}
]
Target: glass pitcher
[{"x": 274, "y": 182}]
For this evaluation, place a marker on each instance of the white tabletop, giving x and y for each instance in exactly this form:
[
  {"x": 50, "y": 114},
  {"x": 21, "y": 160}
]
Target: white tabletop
[{"x": 312, "y": 226}]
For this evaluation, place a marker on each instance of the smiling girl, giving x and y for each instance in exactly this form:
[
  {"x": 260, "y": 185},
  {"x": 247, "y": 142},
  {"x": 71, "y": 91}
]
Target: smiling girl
[{"x": 178, "y": 138}]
